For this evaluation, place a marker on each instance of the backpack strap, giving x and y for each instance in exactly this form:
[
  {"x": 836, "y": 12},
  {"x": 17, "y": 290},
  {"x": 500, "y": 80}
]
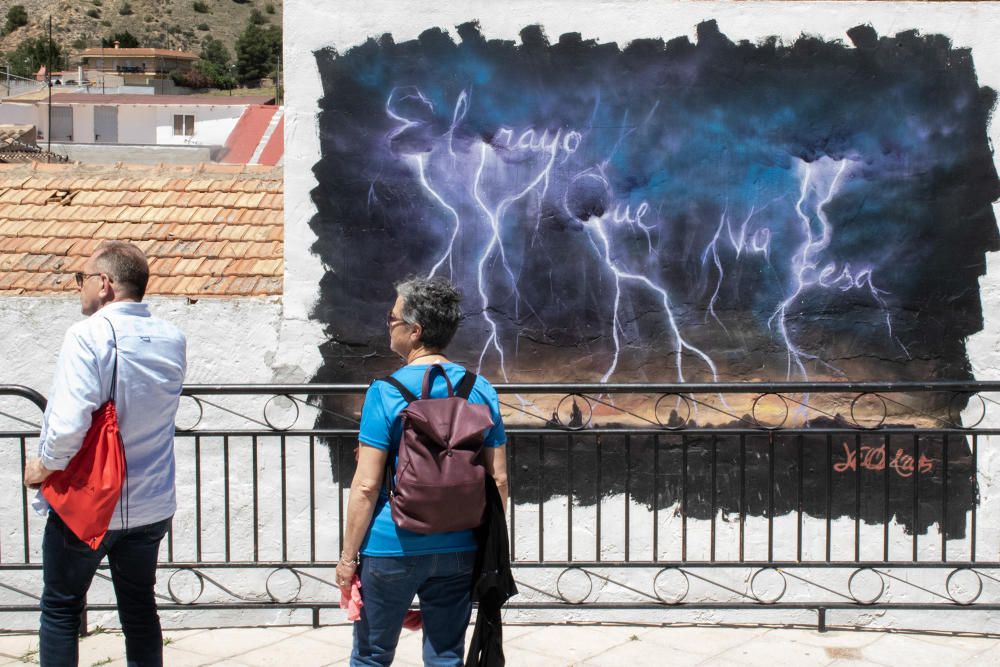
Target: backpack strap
[
  {"x": 465, "y": 385},
  {"x": 408, "y": 395}
]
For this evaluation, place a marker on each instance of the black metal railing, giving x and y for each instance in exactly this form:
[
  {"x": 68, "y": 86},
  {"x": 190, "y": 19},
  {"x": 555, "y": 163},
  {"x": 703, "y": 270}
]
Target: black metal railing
[{"x": 815, "y": 496}]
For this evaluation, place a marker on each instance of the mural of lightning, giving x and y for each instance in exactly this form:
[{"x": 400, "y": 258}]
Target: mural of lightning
[{"x": 634, "y": 212}]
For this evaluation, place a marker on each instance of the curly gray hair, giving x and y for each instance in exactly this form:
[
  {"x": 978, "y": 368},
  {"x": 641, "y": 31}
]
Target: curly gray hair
[{"x": 433, "y": 303}]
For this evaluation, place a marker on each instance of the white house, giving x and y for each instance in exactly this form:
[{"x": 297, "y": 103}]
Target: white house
[{"x": 163, "y": 120}]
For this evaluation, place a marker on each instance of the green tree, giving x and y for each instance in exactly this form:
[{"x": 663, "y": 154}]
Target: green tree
[
  {"x": 257, "y": 18},
  {"x": 200, "y": 7},
  {"x": 125, "y": 39},
  {"x": 31, "y": 54},
  {"x": 257, "y": 52},
  {"x": 214, "y": 65},
  {"x": 214, "y": 51},
  {"x": 16, "y": 17}
]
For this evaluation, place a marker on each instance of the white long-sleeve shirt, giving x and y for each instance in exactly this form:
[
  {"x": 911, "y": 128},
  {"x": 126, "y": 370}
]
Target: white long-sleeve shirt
[{"x": 151, "y": 365}]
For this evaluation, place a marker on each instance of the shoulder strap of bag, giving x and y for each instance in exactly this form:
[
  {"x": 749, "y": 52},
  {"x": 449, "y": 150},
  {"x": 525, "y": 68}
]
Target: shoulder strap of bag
[
  {"x": 114, "y": 369},
  {"x": 465, "y": 385},
  {"x": 408, "y": 395},
  {"x": 123, "y": 498}
]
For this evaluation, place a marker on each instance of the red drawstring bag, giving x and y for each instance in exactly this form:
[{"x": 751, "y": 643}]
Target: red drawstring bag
[{"x": 85, "y": 494}]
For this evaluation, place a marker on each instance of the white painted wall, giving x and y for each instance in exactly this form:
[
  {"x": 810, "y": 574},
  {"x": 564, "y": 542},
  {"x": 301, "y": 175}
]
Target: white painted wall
[
  {"x": 212, "y": 124},
  {"x": 350, "y": 22},
  {"x": 138, "y": 124},
  {"x": 17, "y": 114}
]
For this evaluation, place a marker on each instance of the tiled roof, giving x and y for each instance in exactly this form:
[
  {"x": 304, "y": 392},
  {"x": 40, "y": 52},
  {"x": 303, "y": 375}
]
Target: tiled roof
[
  {"x": 208, "y": 230},
  {"x": 11, "y": 133}
]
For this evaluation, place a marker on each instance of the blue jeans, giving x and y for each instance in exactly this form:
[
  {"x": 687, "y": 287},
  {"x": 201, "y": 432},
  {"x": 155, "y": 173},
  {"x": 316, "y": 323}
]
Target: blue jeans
[
  {"x": 388, "y": 584},
  {"x": 68, "y": 567}
]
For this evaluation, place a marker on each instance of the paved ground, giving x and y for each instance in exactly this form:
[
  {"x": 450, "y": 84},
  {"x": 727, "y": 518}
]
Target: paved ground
[{"x": 559, "y": 645}]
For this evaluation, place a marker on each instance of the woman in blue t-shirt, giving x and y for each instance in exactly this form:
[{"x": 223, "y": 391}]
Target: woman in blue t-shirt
[{"x": 396, "y": 564}]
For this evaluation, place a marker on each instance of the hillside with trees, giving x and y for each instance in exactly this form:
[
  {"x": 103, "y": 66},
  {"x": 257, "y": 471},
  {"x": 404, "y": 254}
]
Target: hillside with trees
[{"x": 239, "y": 40}]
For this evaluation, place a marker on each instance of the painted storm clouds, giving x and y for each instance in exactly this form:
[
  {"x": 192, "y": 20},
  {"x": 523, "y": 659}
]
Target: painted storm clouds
[{"x": 663, "y": 211}]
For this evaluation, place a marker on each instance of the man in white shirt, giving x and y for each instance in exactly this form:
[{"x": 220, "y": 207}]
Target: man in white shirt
[{"x": 151, "y": 361}]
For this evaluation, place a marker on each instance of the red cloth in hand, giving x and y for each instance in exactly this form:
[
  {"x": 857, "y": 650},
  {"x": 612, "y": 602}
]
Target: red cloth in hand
[{"x": 352, "y": 603}]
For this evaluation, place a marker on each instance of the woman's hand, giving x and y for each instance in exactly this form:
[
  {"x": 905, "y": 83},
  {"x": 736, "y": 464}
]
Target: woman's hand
[{"x": 345, "y": 573}]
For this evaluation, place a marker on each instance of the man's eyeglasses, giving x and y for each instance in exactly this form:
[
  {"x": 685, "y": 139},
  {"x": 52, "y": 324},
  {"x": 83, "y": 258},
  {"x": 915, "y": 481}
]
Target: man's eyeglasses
[{"x": 81, "y": 277}]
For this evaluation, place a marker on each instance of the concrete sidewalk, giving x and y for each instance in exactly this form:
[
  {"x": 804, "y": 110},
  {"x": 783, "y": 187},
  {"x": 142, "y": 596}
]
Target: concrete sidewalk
[{"x": 560, "y": 645}]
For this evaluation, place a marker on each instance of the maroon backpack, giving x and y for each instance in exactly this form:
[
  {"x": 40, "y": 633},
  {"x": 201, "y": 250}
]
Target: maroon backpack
[{"x": 440, "y": 479}]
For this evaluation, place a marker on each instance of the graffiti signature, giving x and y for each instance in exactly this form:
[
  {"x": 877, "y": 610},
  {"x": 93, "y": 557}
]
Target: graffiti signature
[{"x": 873, "y": 458}]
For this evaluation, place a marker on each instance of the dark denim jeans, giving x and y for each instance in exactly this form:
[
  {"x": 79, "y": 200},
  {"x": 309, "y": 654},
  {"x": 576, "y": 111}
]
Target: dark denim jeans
[
  {"x": 68, "y": 568},
  {"x": 388, "y": 584}
]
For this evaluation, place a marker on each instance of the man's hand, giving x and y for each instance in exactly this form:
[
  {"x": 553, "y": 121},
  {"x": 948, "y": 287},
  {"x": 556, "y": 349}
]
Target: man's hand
[{"x": 35, "y": 473}]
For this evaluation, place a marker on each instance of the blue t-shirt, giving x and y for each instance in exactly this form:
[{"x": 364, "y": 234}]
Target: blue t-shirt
[{"x": 381, "y": 427}]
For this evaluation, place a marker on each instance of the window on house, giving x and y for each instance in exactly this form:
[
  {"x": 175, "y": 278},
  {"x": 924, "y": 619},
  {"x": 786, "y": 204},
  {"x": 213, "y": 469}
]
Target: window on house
[{"x": 183, "y": 125}]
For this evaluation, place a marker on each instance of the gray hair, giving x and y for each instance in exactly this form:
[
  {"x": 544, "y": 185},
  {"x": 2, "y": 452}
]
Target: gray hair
[
  {"x": 126, "y": 265},
  {"x": 433, "y": 303}
]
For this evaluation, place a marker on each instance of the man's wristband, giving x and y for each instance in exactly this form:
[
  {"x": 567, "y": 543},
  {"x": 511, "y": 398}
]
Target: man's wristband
[{"x": 350, "y": 561}]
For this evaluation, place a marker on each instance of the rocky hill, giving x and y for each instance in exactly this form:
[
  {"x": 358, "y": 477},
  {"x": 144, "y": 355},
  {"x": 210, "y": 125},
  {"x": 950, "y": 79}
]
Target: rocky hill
[{"x": 166, "y": 24}]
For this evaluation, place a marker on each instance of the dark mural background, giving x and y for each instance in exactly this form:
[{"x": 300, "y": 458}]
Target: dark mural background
[{"x": 662, "y": 211}]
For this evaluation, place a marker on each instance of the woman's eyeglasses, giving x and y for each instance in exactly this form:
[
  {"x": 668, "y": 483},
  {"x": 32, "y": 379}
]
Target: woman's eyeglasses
[{"x": 391, "y": 320}]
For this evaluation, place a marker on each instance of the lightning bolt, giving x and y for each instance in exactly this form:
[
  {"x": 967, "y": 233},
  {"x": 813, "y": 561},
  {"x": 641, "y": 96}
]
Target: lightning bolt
[
  {"x": 596, "y": 226},
  {"x": 806, "y": 268},
  {"x": 421, "y": 162},
  {"x": 803, "y": 262},
  {"x": 495, "y": 216}
]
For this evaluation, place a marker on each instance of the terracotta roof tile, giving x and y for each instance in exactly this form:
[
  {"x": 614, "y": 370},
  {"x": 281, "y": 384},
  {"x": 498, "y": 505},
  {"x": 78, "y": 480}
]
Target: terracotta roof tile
[
  {"x": 217, "y": 267},
  {"x": 189, "y": 266},
  {"x": 7, "y": 280},
  {"x": 273, "y": 285},
  {"x": 228, "y": 215},
  {"x": 85, "y": 247},
  {"x": 163, "y": 266},
  {"x": 207, "y": 229},
  {"x": 190, "y": 285},
  {"x": 35, "y": 245},
  {"x": 214, "y": 285},
  {"x": 188, "y": 249},
  {"x": 244, "y": 285},
  {"x": 9, "y": 244},
  {"x": 55, "y": 263},
  {"x": 273, "y": 201},
  {"x": 269, "y": 267},
  {"x": 29, "y": 262}
]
